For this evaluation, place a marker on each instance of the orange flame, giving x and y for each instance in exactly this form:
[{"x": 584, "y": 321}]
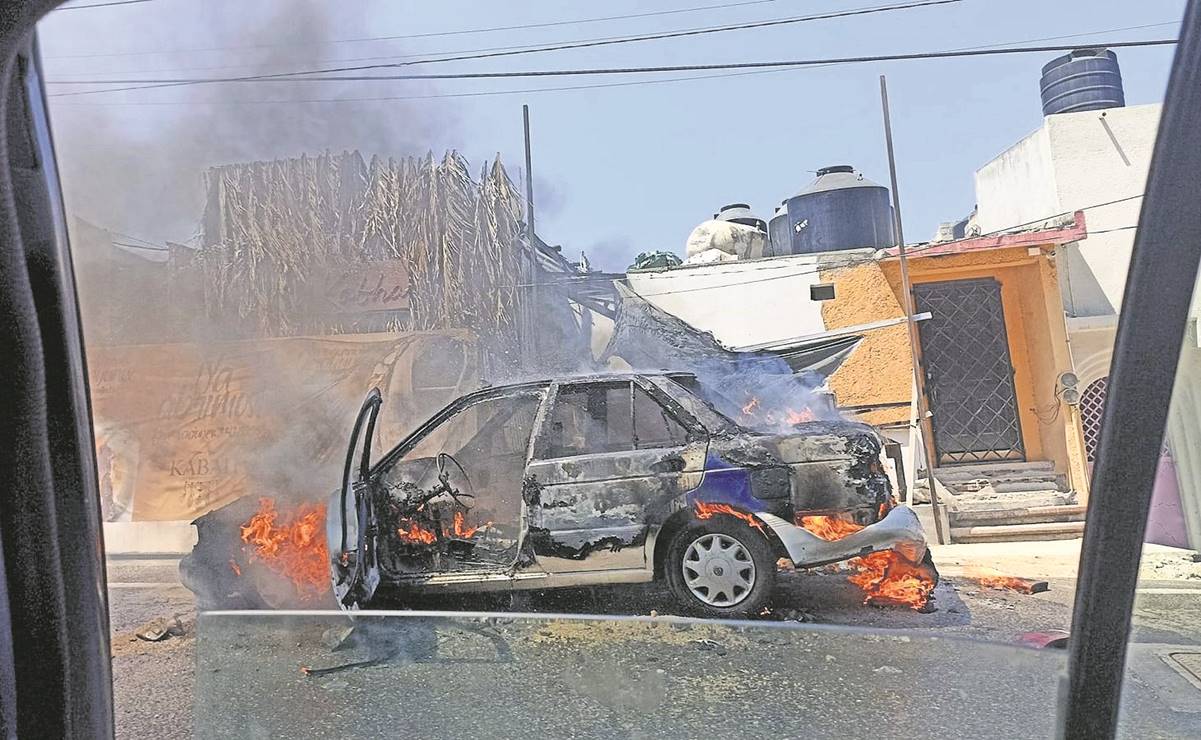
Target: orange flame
[
  {"x": 884, "y": 577},
  {"x": 292, "y": 546},
  {"x": 796, "y": 417},
  {"x": 461, "y": 530},
  {"x": 707, "y": 511},
  {"x": 415, "y": 533},
  {"x": 989, "y": 578},
  {"x": 752, "y": 410},
  {"x": 233, "y": 565}
]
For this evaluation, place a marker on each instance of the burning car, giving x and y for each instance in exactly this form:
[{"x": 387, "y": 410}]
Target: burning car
[{"x": 615, "y": 479}]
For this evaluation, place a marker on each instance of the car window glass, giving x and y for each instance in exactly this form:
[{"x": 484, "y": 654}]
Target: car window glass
[
  {"x": 589, "y": 419},
  {"x": 654, "y": 426},
  {"x": 494, "y": 426}
]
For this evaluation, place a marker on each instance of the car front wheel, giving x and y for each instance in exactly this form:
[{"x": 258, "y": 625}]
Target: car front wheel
[{"x": 721, "y": 568}]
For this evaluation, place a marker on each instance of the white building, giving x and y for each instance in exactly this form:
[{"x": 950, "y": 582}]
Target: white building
[{"x": 1097, "y": 162}]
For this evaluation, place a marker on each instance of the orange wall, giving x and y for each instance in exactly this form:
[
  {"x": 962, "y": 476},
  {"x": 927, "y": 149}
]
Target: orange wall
[{"x": 879, "y": 370}]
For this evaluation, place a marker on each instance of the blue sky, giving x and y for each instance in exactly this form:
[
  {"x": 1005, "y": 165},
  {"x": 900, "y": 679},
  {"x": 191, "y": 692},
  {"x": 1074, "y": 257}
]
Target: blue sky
[{"x": 619, "y": 170}]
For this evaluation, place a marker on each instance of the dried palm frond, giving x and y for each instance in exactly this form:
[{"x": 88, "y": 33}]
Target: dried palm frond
[{"x": 270, "y": 227}]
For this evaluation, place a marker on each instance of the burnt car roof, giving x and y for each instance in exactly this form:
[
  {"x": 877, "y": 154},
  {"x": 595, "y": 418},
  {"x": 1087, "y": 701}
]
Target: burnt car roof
[{"x": 588, "y": 378}]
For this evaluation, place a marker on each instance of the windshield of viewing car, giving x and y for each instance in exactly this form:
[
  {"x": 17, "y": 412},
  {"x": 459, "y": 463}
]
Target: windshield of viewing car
[{"x": 915, "y": 216}]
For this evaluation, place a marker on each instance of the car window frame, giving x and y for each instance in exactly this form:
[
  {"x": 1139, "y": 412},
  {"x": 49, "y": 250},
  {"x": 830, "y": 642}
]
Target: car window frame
[
  {"x": 396, "y": 453},
  {"x": 542, "y": 433},
  {"x": 695, "y": 430}
]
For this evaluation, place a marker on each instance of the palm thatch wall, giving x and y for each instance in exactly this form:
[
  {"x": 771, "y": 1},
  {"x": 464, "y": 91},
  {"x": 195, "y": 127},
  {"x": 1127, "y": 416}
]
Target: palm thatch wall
[{"x": 270, "y": 227}]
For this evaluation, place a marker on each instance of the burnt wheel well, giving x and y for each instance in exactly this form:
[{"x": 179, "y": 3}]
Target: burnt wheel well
[{"x": 682, "y": 520}]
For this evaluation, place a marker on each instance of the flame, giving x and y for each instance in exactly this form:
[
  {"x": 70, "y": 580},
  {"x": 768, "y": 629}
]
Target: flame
[
  {"x": 707, "y": 511},
  {"x": 989, "y": 578},
  {"x": 829, "y": 527},
  {"x": 885, "y": 577},
  {"x": 752, "y": 411},
  {"x": 233, "y": 565},
  {"x": 415, "y": 533},
  {"x": 461, "y": 530},
  {"x": 1003, "y": 582},
  {"x": 292, "y": 545},
  {"x": 797, "y": 417}
]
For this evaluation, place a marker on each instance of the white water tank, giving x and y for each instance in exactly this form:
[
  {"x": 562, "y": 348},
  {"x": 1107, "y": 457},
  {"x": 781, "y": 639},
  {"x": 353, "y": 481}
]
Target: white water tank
[{"x": 730, "y": 239}]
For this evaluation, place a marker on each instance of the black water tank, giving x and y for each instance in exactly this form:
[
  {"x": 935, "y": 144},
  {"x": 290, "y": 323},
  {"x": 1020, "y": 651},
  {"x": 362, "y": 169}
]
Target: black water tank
[
  {"x": 1085, "y": 79},
  {"x": 779, "y": 236},
  {"x": 840, "y": 210}
]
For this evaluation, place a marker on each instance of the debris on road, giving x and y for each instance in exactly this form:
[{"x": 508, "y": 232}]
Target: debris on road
[
  {"x": 707, "y": 645},
  {"x": 1048, "y": 639},
  {"x": 162, "y": 628},
  {"x": 988, "y": 578}
]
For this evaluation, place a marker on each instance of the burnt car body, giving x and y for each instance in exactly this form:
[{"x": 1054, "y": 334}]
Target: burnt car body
[{"x": 604, "y": 479}]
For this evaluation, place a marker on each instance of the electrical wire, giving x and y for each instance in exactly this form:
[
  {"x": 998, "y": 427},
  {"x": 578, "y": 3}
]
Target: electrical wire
[
  {"x": 909, "y": 251},
  {"x": 503, "y": 51},
  {"x": 398, "y": 57},
  {"x": 101, "y": 5},
  {"x": 299, "y": 74},
  {"x": 611, "y": 70},
  {"x": 519, "y": 27},
  {"x": 569, "y": 279},
  {"x": 562, "y": 88}
]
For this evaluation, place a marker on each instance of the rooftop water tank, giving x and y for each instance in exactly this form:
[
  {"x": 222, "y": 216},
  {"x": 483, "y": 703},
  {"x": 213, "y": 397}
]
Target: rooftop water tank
[
  {"x": 1085, "y": 79},
  {"x": 841, "y": 209},
  {"x": 779, "y": 236},
  {"x": 716, "y": 241},
  {"x": 740, "y": 213}
]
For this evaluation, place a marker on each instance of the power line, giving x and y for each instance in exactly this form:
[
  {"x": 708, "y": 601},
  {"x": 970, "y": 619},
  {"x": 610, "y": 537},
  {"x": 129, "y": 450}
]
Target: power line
[
  {"x": 154, "y": 83},
  {"x": 638, "y": 70},
  {"x": 377, "y": 57},
  {"x": 1011, "y": 227},
  {"x": 101, "y": 5},
  {"x": 519, "y": 27},
  {"x": 840, "y": 265},
  {"x": 565, "y": 88},
  {"x": 911, "y": 250},
  {"x": 531, "y": 46}
]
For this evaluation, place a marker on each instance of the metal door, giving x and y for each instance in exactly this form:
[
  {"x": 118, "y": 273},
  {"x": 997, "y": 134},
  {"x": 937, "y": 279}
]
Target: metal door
[{"x": 969, "y": 376}]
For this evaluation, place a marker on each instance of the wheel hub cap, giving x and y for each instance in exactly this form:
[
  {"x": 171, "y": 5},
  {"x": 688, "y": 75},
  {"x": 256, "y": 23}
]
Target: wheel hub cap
[{"x": 718, "y": 570}]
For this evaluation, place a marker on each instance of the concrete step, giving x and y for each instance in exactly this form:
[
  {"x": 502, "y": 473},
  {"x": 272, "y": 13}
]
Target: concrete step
[
  {"x": 995, "y": 469},
  {"x": 1006, "y": 485},
  {"x": 989, "y": 501},
  {"x": 1028, "y": 515},
  {"x": 1018, "y": 532}
]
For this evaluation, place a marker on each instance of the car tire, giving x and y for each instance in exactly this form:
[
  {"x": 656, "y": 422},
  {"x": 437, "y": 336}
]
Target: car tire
[{"x": 740, "y": 563}]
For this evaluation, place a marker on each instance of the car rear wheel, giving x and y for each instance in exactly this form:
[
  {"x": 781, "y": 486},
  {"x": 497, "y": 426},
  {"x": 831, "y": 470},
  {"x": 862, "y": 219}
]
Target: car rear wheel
[{"x": 721, "y": 568}]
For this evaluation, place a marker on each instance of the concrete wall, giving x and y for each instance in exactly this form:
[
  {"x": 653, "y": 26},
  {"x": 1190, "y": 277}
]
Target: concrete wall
[
  {"x": 1184, "y": 433},
  {"x": 741, "y": 303},
  {"x": 1018, "y": 186},
  {"x": 1077, "y": 161}
]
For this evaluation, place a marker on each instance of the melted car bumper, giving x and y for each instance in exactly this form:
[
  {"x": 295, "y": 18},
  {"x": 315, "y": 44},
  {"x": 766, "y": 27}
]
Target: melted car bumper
[{"x": 899, "y": 530}]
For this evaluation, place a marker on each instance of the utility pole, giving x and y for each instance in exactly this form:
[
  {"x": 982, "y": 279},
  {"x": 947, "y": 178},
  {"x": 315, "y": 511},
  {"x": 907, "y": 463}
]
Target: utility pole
[
  {"x": 907, "y": 304},
  {"x": 531, "y": 312}
]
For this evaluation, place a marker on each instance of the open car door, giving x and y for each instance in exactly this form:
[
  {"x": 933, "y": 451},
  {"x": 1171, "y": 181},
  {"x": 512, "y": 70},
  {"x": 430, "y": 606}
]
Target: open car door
[{"x": 354, "y": 561}]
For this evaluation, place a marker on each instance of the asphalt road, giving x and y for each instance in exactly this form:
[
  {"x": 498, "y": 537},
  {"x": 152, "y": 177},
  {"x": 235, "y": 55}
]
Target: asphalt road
[{"x": 240, "y": 676}]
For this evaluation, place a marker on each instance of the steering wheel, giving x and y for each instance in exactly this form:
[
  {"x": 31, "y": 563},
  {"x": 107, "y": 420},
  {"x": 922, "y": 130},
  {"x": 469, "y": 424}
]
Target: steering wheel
[{"x": 444, "y": 481}]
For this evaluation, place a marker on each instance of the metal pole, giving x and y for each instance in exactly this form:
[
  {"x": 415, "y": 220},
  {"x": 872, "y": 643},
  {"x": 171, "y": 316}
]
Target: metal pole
[
  {"x": 531, "y": 237},
  {"x": 529, "y": 178},
  {"x": 907, "y": 303}
]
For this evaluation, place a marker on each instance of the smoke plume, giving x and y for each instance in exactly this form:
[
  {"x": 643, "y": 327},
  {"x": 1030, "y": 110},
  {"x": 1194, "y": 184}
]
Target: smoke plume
[{"x": 132, "y": 161}]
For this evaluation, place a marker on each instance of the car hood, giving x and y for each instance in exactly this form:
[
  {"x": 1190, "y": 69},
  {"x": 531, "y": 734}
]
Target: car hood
[{"x": 809, "y": 441}]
